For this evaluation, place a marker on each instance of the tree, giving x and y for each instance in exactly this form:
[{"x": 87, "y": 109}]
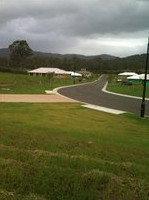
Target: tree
[{"x": 19, "y": 50}]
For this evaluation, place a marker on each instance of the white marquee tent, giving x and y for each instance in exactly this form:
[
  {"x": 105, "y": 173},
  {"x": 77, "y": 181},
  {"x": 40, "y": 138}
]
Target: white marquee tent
[
  {"x": 138, "y": 77},
  {"x": 127, "y": 74},
  {"x": 75, "y": 74}
]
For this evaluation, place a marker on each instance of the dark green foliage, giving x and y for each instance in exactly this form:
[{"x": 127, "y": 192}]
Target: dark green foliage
[
  {"x": 21, "y": 59},
  {"x": 19, "y": 50},
  {"x": 97, "y": 65}
]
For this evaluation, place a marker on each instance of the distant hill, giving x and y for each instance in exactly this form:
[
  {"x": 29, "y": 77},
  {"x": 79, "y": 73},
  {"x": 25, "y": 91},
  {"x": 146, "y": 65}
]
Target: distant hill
[
  {"x": 5, "y": 51},
  {"x": 103, "y": 63},
  {"x": 107, "y": 57},
  {"x": 102, "y": 56}
]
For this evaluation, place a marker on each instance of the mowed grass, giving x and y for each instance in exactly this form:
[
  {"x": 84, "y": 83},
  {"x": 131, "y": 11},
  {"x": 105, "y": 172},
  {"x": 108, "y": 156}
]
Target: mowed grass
[
  {"x": 25, "y": 84},
  {"x": 134, "y": 90},
  {"x": 63, "y": 151}
]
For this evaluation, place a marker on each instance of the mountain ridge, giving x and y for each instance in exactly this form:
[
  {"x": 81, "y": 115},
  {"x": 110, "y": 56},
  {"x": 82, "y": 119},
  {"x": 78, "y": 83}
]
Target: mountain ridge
[{"x": 5, "y": 52}]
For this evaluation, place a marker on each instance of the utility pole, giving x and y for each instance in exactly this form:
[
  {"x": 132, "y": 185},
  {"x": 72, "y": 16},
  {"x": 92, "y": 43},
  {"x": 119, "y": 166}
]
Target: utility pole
[
  {"x": 74, "y": 69},
  {"x": 144, "y": 83}
]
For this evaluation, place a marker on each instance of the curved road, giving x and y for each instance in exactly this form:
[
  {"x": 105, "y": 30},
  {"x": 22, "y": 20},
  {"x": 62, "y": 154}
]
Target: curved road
[{"x": 93, "y": 94}]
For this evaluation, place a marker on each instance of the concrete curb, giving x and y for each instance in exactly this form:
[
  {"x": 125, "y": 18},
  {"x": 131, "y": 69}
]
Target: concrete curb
[
  {"x": 90, "y": 106},
  {"x": 55, "y": 90},
  {"x": 123, "y": 95},
  {"x": 95, "y": 107},
  {"x": 107, "y": 110}
]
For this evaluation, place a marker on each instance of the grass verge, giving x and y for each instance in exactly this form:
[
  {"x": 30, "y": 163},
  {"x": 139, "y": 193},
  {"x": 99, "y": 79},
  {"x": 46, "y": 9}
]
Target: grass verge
[
  {"x": 136, "y": 89},
  {"x": 67, "y": 152},
  {"x": 25, "y": 84}
]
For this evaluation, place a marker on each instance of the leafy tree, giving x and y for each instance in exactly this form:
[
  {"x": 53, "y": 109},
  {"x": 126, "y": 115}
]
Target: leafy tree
[{"x": 19, "y": 50}]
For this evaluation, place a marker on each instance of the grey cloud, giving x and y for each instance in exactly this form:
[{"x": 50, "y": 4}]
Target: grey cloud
[
  {"x": 83, "y": 18},
  {"x": 38, "y": 9},
  {"x": 64, "y": 24}
]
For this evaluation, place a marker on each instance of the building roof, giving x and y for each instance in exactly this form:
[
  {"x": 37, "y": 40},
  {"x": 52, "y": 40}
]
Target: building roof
[{"x": 45, "y": 70}]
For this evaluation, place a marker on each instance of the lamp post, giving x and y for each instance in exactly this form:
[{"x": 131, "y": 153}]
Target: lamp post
[{"x": 144, "y": 83}]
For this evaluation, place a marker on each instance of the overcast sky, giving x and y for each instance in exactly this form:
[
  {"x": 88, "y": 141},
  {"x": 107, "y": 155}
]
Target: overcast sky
[{"x": 89, "y": 27}]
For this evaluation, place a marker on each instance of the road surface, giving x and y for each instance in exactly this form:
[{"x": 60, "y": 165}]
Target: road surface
[{"x": 93, "y": 94}]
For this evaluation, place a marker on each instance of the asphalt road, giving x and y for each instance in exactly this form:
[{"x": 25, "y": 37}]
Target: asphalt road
[{"x": 93, "y": 94}]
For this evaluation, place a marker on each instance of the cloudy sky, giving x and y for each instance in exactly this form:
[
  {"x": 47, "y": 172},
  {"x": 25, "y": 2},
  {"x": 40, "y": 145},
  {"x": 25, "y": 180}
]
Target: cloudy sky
[{"x": 89, "y": 27}]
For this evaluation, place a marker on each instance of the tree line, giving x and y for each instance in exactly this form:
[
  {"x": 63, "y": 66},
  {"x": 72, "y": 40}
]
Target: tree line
[{"x": 22, "y": 58}]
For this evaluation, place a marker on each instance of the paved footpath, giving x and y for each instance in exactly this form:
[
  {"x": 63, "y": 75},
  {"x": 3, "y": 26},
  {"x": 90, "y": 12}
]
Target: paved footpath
[
  {"x": 47, "y": 98},
  {"x": 93, "y": 94}
]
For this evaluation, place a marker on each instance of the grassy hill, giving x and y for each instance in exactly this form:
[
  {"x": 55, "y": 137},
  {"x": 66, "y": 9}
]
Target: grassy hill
[{"x": 63, "y": 151}]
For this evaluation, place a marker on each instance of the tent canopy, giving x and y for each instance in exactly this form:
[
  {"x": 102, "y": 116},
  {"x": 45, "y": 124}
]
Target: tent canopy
[
  {"x": 135, "y": 77},
  {"x": 74, "y": 74},
  {"x": 142, "y": 76},
  {"x": 138, "y": 77},
  {"x": 127, "y": 74}
]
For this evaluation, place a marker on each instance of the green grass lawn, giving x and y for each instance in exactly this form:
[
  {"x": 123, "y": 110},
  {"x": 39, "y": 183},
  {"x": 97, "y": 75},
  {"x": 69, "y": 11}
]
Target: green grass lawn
[
  {"x": 25, "y": 84},
  {"x": 63, "y": 151},
  {"x": 134, "y": 90}
]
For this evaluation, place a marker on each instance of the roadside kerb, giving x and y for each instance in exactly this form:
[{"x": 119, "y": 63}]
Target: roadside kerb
[
  {"x": 55, "y": 90},
  {"x": 90, "y": 106},
  {"x": 107, "y": 110},
  {"x": 123, "y": 95}
]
